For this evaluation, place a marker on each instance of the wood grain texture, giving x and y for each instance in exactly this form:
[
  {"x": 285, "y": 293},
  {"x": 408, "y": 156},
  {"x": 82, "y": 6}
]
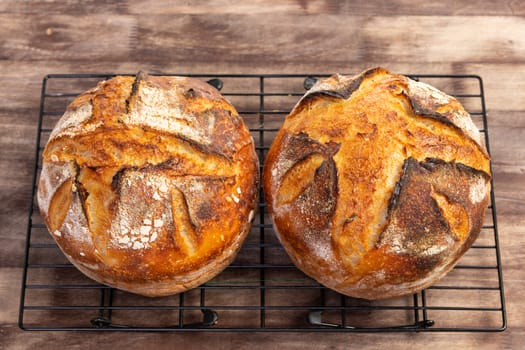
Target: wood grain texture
[
  {"x": 480, "y": 37},
  {"x": 294, "y": 7},
  {"x": 178, "y": 37}
]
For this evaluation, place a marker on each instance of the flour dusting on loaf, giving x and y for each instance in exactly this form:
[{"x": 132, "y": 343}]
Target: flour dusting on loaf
[
  {"x": 377, "y": 184},
  {"x": 149, "y": 183}
]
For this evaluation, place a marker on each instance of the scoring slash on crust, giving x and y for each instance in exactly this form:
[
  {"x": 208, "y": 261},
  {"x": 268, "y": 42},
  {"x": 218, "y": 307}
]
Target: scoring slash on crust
[
  {"x": 377, "y": 184},
  {"x": 149, "y": 183}
]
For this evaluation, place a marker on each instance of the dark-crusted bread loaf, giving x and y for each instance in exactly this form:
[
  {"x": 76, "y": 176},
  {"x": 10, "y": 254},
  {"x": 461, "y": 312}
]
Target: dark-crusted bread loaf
[
  {"x": 149, "y": 183},
  {"x": 377, "y": 184}
]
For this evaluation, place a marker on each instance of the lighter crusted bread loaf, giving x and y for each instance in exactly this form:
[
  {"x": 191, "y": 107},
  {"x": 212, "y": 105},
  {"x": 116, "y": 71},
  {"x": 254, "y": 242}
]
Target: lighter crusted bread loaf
[
  {"x": 377, "y": 184},
  {"x": 149, "y": 183}
]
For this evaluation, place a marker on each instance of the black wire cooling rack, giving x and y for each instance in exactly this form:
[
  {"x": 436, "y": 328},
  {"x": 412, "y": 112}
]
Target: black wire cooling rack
[{"x": 261, "y": 290}]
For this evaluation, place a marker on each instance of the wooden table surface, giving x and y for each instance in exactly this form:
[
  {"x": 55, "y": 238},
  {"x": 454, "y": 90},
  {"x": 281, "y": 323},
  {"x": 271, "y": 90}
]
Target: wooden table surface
[{"x": 482, "y": 37}]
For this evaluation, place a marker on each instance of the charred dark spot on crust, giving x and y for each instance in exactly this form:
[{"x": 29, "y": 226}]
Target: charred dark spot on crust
[
  {"x": 397, "y": 188},
  {"x": 122, "y": 145},
  {"x": 135, "y": 88},
  {"x": 196, "y": 193},
  {"x": 435, "y": 168},
  {"x": 314, "y": 207},
  {"x": 350, "y": 219},
  {"x": 436, "y": 164},
  {"x": 417, "y": 227},
  {"x": 186, "y": 205},
  {"x": 116, "y": 181},
  {"x": 213, "y": 148},
  {"x": 83, "y": 194},
  {"x": 190, "y": 93},
  {"x": 347, "y": 90},
  {"x": 432, "y": 163},
  {"x": 410, "y": 197},
  {"x": 419, "y": 109},
  {"x": 344, "y": 91},
  {"x": 204, "y": 212},
  {"x": 319, "y": 200},
  {"x": 171, "y": 163},
  {"x": 414, "y": 217},
  {"x": 225, "y": 130},
  {"x": 425, "y": 108},
  {"x": 297, "y": 148},
  {"x": 425, "y": 264},
  {"x": 473, "y": 171}
]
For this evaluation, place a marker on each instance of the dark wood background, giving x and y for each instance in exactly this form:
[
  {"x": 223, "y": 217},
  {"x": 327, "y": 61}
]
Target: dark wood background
[{"x": 483, "y": 37}]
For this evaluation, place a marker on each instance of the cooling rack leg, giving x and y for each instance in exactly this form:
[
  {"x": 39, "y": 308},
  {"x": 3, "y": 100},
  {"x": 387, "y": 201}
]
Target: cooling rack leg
[
  {"x": 103, "y": 320},
  {"x": 315, "y": 317}
]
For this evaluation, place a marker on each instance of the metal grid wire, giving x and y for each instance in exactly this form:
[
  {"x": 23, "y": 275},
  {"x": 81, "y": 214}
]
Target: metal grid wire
[{"x": 261, "y": 290}]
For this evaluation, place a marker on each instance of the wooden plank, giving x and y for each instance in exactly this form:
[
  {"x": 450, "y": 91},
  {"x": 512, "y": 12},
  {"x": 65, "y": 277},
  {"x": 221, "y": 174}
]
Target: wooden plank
[
  {"x": 61, "y": 37},
  {"x": 281, "y": 39},
  {"x": 510, "y": 197},
  {"x": 364, "y": 8},
  {"x": 296, "y": 7},
  {"x": 265, "y": 39},
  {"x": 507, "y": 143},
  {"x": 53, "y": 7}
]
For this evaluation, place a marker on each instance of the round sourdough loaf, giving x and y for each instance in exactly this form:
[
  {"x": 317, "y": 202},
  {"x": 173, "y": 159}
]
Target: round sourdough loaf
[
  {"x": 377, "y": 184},
  {"x": 149, "y": 183}
]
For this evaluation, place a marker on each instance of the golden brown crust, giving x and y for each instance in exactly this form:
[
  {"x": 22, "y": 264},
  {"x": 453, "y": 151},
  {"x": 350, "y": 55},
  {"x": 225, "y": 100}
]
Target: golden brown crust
[
  {"x": 149, "y": 184},
  {"x": 377, "y": 184}
]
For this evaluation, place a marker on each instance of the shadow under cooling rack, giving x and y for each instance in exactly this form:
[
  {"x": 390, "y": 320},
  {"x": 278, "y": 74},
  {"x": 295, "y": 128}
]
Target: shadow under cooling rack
[{"x": 261, "y": 290}]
